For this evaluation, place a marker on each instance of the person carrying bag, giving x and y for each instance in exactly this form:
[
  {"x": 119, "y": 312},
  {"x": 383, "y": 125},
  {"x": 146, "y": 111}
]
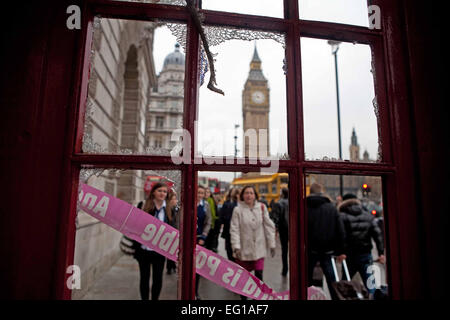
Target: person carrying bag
[
  {"x": 252, "y": 232},
  {"x": 348, "y": 289}
]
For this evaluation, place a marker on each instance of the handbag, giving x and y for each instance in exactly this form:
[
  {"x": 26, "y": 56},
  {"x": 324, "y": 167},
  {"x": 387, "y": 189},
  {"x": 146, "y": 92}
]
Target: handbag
[
  {"x": 264, "y": 229},
  {"x": 126, "y": 246}
]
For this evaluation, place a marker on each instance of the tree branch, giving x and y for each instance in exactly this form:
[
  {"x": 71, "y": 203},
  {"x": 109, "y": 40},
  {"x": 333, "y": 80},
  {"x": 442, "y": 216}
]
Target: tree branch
[{"x": 190, "y": 4}]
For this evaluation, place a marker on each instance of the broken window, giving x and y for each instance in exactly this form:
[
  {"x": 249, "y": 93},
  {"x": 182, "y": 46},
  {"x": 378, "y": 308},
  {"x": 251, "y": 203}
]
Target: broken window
[
  {"x": 137, "y": 71},
  {"x": 277, "y": 75}
]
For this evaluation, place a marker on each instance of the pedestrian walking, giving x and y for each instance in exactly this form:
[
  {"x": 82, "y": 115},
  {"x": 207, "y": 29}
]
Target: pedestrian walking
[
  {"x": 173, "y": 218},
  {"x": 338, "y": 200},
  {"x": 360, "y": 227},
  {"x": 212, "y": 240},
  {"x": 379, "y": 221},
  {"x": 155, "y": 204},
  {"x": 270, "y": 208},
  {"x": 264, "y": 201},
  {"x": 252, "y": 232},
  {"x": 225, "y": 214},
  {"x": 281, "y": 215},
  {"x": 203, "y": 226},
  {"x": 326, "y": 235}
]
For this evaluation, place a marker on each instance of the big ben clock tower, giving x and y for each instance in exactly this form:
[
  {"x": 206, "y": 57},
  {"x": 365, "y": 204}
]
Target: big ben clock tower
[{"x": 255, "y": 108}]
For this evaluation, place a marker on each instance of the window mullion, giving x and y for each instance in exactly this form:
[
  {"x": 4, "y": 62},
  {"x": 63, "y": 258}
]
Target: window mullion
[
  {"x": 84, "y": 51},
  {"x": 339, "y": 32},
  {"x": 188, "y": 221},
  {"x": 347, "y": 167},
  {"x": 382, "y": 101},
  {"x": 292, "y": 78},
  {"x": 298, "y": 227},
  {"x": 137, "y": 10},
  {"x": 291, "y": 9}
]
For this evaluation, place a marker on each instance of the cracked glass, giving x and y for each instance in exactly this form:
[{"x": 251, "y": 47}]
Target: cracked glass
[
  {"x": 136, "y": 88},
  {"x": 250, "y": 119}
]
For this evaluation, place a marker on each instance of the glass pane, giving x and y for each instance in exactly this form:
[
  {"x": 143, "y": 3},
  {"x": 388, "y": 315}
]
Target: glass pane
[
  {"x": 271, "y": 8},
  {"x": 353, "y": 12},
  {"x": 136, "y": 88},
  {"x": 254, "y": 105},
  {"x": 357, "y": 102},
  {"x": 108, "y": 267},
  {"x": 345, "y": 237},
  {"x": 234, "y": 225}
]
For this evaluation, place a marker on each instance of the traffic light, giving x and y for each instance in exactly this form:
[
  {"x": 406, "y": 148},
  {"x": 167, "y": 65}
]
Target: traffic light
[{"x": 365, "y": 189}]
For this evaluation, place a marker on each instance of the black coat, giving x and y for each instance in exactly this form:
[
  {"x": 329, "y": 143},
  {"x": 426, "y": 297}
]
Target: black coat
[
  {"x": 325, "y": 229},
  {"x": 280, "y": 213},
  {"x": 360, "y": 227},
  {"x": 225, "y": 214}
]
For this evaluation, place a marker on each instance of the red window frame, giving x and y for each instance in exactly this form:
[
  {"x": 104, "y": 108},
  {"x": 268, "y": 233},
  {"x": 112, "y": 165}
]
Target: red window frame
[{"x": 391, "y": 110}]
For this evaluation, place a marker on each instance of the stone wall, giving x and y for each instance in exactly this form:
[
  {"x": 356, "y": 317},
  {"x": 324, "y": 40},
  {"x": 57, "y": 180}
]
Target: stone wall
[{"x": 121, "y": 77}]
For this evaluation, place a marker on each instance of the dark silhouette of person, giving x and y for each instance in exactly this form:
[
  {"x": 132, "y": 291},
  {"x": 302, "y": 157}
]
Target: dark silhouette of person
[
  {"x": 280, "y": 212},
  {"x": 326, "y": 235},
  {"x": 360, "y": 227}
]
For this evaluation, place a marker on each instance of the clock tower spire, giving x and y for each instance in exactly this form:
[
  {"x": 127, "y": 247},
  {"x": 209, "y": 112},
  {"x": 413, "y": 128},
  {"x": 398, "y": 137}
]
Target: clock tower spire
[{"x": 255, "y": 110}]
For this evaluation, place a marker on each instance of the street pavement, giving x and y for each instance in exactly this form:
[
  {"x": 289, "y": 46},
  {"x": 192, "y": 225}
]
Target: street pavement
[{"x": 121, "y": 281}]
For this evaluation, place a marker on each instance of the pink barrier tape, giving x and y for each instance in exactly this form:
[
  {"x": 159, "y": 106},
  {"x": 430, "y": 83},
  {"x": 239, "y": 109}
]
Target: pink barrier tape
[
  {"x": 315, "y": 293},
  {"x": 164, "y": 239}
]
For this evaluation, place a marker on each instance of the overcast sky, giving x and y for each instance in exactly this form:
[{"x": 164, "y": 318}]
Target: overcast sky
[{"x": 218, "y": 114}]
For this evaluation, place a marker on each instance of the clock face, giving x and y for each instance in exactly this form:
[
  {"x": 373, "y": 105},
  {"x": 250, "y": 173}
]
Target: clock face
[{"x": 258, "y": 97}]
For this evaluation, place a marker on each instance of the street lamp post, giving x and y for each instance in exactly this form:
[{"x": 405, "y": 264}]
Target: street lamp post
[
  {"x": 236, "y": 126},
  {"x": 334, "y": 50}
]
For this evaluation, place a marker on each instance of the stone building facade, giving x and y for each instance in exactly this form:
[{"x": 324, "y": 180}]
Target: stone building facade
[
  {"x": 165, "y": 112},
  {"x": 122, "y": 76}
]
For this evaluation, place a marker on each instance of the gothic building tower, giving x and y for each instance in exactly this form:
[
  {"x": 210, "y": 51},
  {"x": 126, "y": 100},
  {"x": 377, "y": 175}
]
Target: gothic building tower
[
  {"x": 255, "y": 111},
  {"x": 366, "y": 156},
  {"x": 354, "y": 148}
]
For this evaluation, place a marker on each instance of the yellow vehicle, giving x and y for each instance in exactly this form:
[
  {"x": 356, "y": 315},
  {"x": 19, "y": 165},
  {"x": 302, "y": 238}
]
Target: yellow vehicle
[{"x": 267, "y": 186}]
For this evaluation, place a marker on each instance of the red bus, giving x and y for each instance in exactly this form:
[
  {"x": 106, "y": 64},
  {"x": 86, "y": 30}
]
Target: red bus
[{"x": 151, "y": 180}]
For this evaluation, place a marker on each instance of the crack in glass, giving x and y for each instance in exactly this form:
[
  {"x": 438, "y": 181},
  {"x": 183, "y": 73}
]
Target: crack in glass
[
  {"x": 217, "y": 35},
  {"x": 91, "y": 145}
]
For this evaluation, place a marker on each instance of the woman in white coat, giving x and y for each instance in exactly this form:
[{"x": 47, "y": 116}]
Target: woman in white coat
[{"x": 252, "y": 232}]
